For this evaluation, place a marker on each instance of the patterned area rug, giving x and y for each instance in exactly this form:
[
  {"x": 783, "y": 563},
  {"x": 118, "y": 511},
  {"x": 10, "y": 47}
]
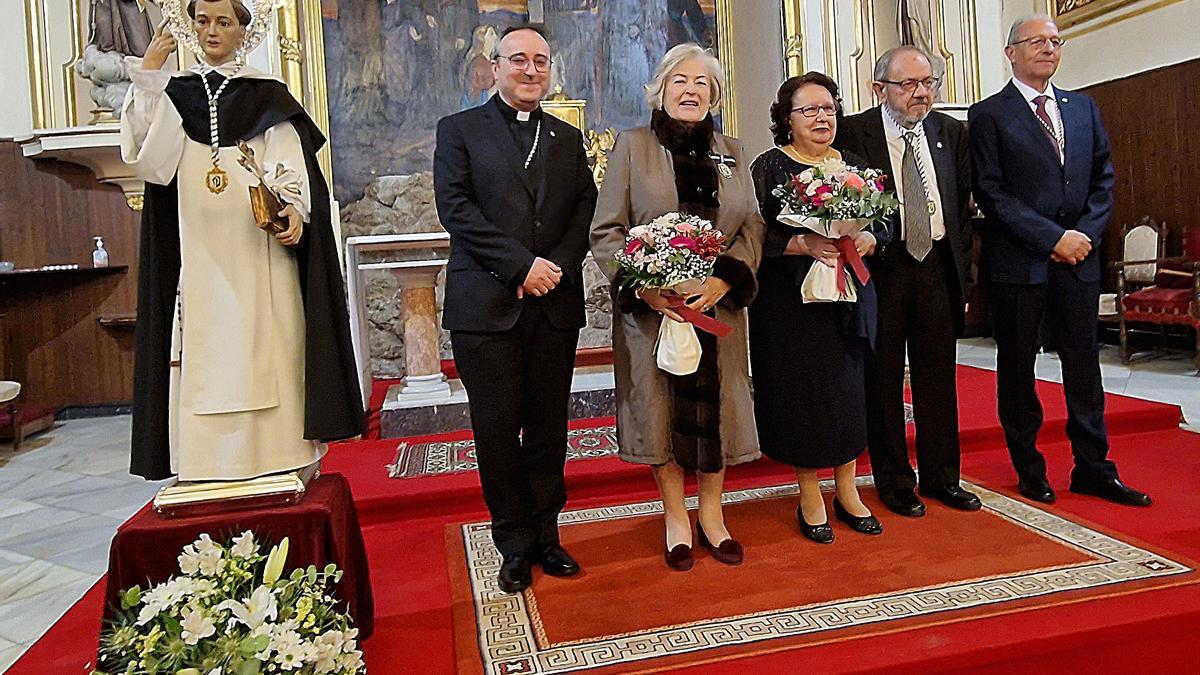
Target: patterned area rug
[
  {"x": 440, "y": 457},
  {"x": 630, "y": 612}
]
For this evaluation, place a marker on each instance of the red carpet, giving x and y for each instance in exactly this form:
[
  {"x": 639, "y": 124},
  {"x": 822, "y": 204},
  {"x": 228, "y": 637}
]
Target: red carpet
[
  {"x": 1153, "y": 631},
  {"x": 625, "y": 607}
]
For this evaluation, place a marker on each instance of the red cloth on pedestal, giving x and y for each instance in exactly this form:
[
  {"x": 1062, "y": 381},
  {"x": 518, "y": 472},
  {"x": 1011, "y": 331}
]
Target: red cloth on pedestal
[{"x": 321, "y": 529}]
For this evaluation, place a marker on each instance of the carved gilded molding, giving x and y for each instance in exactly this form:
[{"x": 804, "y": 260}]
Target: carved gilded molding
[
  {"x": 729, "y": 119},
  {"x": 1071, "y": 12},
  {"x": 795, "y": 19}
]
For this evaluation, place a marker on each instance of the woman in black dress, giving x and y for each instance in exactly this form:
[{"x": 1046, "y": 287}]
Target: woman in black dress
[{"x": 807, "y": 358}]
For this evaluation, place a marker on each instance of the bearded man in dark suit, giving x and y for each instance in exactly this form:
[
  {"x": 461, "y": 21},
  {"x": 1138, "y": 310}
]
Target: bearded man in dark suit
[{"x": 921, "y": 278}]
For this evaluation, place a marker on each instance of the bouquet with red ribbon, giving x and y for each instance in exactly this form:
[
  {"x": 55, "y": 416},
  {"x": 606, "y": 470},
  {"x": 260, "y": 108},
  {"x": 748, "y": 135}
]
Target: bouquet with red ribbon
[
  {"x": 837, "y": 201},
  {"x": 675, "y": 251}
]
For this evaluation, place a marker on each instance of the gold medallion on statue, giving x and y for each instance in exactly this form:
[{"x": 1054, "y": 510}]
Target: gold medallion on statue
[
  {"x": 932, "y": 207},
  {"x": 217, "y": 180}
]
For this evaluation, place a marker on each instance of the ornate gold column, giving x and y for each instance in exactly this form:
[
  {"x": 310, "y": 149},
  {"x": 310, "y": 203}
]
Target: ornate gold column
[
  {"x": 794, "y": 19},
  {"x": 302, "y": 60},
  {"x": 729, "y": 120}
]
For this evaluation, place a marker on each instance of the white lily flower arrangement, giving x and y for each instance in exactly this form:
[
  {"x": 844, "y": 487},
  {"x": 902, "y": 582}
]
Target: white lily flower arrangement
[{"x": 232, "y": 612}]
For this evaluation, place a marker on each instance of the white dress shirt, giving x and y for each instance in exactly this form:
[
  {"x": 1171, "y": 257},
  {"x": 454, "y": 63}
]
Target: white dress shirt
[
  {"x": 1029, "y": 93},
  {"x": 895, "y": 141}
]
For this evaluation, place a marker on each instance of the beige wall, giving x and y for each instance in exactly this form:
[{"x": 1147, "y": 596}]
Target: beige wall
[
  {"x": 15, "y": 115},
  {"x": 1145, "y": 35},
  {"x": 1148, "y": 39},
  {"x": 758, "y": 69}
]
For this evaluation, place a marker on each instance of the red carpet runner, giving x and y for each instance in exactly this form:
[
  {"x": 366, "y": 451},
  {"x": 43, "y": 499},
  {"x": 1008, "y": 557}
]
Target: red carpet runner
[{"x": 405, "y": 523}]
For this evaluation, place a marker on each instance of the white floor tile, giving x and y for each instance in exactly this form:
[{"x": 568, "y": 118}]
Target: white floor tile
[
  {"x": 32, "y": 521},
  {"x": 9, "y": 653},
  {"x": 68, "y": 540},
  {"x": 24, "y": 621}
]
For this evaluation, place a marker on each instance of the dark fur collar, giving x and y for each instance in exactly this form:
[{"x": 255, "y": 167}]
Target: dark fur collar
[{"x": 696, "y": 177}]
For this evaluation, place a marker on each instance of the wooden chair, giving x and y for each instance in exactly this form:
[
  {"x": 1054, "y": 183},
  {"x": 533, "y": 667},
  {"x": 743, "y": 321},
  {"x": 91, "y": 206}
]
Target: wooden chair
[
  {"x": 1142, "y": 244},
  {"x": 1159, "y": 291}
]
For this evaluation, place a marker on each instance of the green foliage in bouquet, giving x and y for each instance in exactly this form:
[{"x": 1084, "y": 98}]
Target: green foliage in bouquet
[
  {"x": 232, "y": 612},
  {"x": 832, "y": 190}
]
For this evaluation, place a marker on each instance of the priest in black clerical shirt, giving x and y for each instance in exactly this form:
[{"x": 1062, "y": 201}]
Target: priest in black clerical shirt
[{"x": 516, "y": 195}]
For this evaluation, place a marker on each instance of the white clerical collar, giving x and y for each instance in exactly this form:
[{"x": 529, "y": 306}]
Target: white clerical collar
[
  {"x": 522, "y": 115},
  {"x": 1029, "y": 93}
]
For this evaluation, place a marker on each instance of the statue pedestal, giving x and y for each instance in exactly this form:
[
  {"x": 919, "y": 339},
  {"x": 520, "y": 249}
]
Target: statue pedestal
[{"x": 183, "y": 498}]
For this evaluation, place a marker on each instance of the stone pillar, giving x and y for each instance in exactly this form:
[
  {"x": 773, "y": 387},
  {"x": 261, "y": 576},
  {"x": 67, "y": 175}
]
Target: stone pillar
[{"x": 423, "y": 381}]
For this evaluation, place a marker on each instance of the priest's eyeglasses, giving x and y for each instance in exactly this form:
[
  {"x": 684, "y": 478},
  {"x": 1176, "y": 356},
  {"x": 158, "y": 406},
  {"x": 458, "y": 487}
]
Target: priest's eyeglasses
[
  {"x": 909, "y": 86},
  {"x": 814, "y": 110},
  {"x": 1040, "y": 41},
  {"x": 521, "y": 62}
]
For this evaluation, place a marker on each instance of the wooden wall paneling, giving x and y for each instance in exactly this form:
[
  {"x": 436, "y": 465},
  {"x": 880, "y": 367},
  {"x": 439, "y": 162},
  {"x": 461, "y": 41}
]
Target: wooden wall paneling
[
  {"x": 1152, "y": 120},
  {"x": 49, "y": 212}
]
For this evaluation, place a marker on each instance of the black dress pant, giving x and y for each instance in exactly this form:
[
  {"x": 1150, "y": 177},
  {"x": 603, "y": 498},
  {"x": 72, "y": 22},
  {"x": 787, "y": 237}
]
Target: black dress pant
[
  {"x": 519, "y": 384},
  {"x": 1069, "y": 307},
  {"x": 914, "y": 317}
]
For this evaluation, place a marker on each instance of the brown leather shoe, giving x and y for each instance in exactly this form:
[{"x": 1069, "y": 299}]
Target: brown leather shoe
[
  {"x": 730, "y": 552},
  {"x": 679, "y": 558}
]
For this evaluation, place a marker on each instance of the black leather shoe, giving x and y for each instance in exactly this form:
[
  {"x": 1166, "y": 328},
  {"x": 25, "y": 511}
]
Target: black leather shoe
[
  {"x": 865, "y": 525},
  {"x": 557, "y": 562},
  {"x": 822, "y": 534},
  {"x": 515, "y": 574},
  {"x": 729, "y": 552},
  {"x": 679, "y": 558},
  {"x": 903, "y": 501},
  {"x": 1113, "y": 490},
  {"x": 955, "y": 497},
  {"x": 1037, "y": 489}
]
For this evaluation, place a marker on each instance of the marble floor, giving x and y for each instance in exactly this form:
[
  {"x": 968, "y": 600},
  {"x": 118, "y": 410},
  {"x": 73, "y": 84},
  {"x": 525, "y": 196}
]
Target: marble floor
[{"x": 64, "y": 494}]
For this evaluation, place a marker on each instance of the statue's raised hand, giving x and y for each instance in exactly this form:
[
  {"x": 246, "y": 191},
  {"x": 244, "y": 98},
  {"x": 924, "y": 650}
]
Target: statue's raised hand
[{"x": 161, "y": 46}]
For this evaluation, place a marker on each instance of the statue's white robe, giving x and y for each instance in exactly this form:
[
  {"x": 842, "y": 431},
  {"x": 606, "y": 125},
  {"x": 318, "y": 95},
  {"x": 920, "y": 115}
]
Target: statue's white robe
[{"x": 237, "y": 376}]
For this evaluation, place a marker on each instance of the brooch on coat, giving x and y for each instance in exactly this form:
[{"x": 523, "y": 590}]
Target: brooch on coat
[{"x": 725, "y": 163}]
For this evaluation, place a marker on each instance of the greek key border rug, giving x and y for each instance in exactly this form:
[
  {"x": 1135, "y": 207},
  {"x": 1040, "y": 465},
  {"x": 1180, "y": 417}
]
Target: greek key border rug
[
  {"x": 442, "y": 457},
  {"x": 511, "y": 638}
]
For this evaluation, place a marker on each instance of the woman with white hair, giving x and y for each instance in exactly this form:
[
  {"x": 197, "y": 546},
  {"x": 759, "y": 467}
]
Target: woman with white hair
[{"x": 699, "y": 422}]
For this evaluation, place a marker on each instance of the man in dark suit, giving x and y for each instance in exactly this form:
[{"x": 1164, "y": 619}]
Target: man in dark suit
[
  {"x": 1043, "y": 179},
  {"x": 516, "y": 195},
  {"x": 921, "y": 280}
]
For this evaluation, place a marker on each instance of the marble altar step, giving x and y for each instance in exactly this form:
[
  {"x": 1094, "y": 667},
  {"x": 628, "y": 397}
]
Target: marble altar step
[{"x": 591, "y": 396}]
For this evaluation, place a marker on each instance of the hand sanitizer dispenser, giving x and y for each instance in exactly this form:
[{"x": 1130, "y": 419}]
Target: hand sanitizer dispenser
[{"x": 99, "y": 256}]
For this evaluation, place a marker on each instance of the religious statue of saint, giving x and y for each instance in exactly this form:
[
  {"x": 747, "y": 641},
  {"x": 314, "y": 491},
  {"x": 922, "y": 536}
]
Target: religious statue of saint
[
  {"x": 243, "y": 365},
  {"x": 118, "y": 28},
  {"x": 123, "y": 26},
  {"x": 915, "y": 24}
]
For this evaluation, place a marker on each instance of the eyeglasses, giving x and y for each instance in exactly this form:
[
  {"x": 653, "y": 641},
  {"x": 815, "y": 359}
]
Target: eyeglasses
[
  {"x": 521, "y": 62},
  {"x": 1039, "y": 42},
  {"x": 910, "y": 86},
  {"x": 813, "y": 110}
]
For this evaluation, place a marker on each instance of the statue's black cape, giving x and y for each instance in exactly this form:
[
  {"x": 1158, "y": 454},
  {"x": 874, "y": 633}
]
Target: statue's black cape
[{"x": 333, "y": 406}]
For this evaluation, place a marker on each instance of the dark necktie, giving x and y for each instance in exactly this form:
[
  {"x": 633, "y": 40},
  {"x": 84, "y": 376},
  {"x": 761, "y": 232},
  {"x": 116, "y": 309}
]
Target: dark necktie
[
  {"x": 1047, "y": 124},
  {"x": 918, "y": 237}
]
